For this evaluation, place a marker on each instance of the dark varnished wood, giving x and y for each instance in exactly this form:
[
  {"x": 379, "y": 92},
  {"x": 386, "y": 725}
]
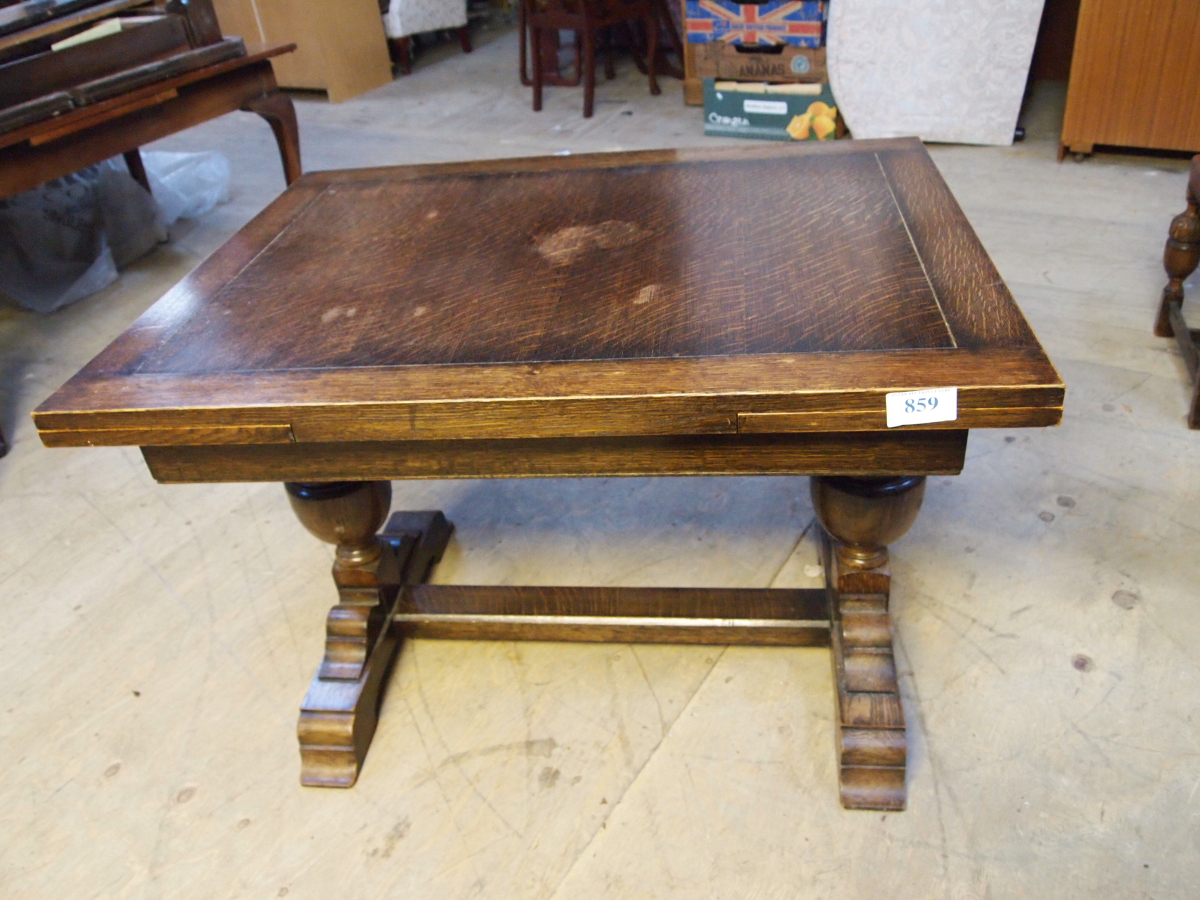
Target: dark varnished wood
[
  {"x": 544, "y": 19},
  {"x": 383, "y": 599},
  {"x": 861, "y": 516},
  {"x": 18, "y": 26},
  {"x": 1180, "y": 257},
  {"x": 658, "y": 292},
  {"x": 616, "y": 615},
  {"x": 340, "y": 710},
  {"x": 655, "y": 313},
  {"x": 81, "y": 136},
  {"x": 871, "y": 453},
  {"x": 56, "y": 70}
]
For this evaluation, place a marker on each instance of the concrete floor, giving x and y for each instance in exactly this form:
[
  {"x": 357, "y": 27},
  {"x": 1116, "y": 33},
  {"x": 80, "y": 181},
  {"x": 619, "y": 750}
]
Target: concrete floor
[{"x": 156, "y": 641}]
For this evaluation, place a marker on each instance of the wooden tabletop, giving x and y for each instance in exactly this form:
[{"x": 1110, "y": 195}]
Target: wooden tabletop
[{"x": 776, "y": 288}]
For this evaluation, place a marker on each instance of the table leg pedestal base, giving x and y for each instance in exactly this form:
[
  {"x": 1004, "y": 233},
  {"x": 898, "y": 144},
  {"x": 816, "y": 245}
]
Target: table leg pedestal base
[
  {"x": 340, "y": 710},
  {"x": 384, "y": 599},
  {"x": 872, "y": 744}
]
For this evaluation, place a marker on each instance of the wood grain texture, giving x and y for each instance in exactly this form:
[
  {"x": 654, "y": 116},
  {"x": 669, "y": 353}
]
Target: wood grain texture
[
  {"x": 972, "y": 296},
  {"x": 1134, "y": 80},
  {"x": 616, "y": 615},
  {"x": 17, "y": 33},
  {"x": 870, "y": 453},
  {"x": 697, "y": 260},
  {"x": 115, "y": 106},
  {"x": 340, "y": 712},
  {"x": 37, "y": 153},
  {"x": 872, "y": 744},
  {"x": 55, "y": 70},
  {"x": 650, "y": 293}
]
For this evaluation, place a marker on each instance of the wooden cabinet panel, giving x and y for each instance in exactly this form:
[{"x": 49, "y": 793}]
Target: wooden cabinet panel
[
  {"x": 1135, "y": 81},
  {"x": 340, "y": 45}
]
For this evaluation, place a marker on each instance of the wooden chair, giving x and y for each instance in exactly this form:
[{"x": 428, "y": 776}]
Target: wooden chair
[
  {"x": 587, "y": 18},
  {"x": 1180, "y": 258}
]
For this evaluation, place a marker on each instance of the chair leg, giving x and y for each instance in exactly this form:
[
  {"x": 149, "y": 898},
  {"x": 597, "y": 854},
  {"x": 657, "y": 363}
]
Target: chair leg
[
  {"x": 400, "y": 50},
  {"x": 635, "y": 46},
  {"x": 651, "y": 24},
  {"x": 133, "y": 160},
  {"x": 464, "y": 39},
  {"x": 589, "y": 72},
  {"x": 522, "y": 53},
  {"x": 535, "y": 41},
  {"x": 578, "y": 61}
]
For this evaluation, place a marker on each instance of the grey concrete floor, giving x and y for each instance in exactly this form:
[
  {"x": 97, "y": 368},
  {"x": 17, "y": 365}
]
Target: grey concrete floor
[{"x": 155, "y": 641}]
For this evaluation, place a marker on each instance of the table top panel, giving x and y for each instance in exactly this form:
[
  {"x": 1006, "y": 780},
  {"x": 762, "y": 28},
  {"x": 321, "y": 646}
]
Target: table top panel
[
  {"x": 663, "y": 292},
  {"x": 699, "y": 259}
]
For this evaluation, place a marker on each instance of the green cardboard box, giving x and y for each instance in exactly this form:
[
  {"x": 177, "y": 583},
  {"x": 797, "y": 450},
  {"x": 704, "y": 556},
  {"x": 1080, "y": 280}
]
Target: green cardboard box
[{"x": 773, "y": 112}]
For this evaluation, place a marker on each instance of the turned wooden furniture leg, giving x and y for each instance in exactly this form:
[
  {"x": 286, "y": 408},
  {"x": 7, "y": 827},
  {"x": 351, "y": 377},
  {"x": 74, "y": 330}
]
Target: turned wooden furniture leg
[
  {"x": 400, "y": 51},
  {"x": 589, "y": 72},
  {"x": 340, "y": 710},
  {"x": 535, "y": 42},
  {"x": 464, "y": 39},
  {"x": 1180, "y": 257},
  {"x": 652, "y": 53},
  {"x": 862, "y": 516},
  {"x": 277, "y": 109},
  {"x": 133, "y": 161}
]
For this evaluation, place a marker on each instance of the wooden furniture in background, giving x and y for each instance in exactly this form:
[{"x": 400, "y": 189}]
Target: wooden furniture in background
[
  {"x": 1055, "y": 41},
  {"x": 156, "y": 68},
  {"x": 1180, "y": 258},
  {"x": 587, "y": 18},
  {"x": 1135, "y": 81},
  {"x": 607, "y": 314},
  {"x": 340, "y": 45},
  {"x": 58, "y": 146},
  {"x": 405, "y": 18}
]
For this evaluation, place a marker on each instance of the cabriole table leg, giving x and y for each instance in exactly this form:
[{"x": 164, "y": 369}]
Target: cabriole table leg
[{"x": 862, "y": 516}]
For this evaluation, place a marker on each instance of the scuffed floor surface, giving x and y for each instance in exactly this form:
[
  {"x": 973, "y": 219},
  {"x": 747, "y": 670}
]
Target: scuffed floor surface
[{"x": 156, "y": 641}]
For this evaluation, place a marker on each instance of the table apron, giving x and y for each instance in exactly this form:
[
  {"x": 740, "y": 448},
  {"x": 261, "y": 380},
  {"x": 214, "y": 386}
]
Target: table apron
[{"x": 848, "y": 453}]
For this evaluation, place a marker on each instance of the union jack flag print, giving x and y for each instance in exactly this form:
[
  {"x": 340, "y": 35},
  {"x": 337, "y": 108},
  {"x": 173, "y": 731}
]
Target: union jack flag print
[{"x": 796, "y": 22}]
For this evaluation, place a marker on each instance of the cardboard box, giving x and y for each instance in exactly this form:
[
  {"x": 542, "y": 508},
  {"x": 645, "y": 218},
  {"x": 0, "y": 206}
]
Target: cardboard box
[
  {"x": 773, "y": 112},
  {"x": 761, "y": 62},
  {"x": 800, "y": 23}
]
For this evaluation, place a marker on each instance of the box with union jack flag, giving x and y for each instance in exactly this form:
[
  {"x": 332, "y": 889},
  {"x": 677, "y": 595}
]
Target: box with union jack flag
[{"x": 800, "y": 23}]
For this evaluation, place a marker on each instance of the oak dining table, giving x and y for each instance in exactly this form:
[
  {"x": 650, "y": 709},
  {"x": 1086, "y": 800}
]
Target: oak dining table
[{"x": 822, "y": 310}]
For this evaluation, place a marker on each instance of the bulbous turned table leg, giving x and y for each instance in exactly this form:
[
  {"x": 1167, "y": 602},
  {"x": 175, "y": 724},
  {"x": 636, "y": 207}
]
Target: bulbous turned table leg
[
  {"x": 345, "y": 513},
  {"x": 1180, "y": 257},
  {"x": 861, "y": 516},
  {"x": 339, "y": 713}
]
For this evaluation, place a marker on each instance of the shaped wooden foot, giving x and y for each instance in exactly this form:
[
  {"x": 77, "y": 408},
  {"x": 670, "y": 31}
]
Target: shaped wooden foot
[
  {"x": 340, "y": 710},
  {"x": 861, "y": 516}
]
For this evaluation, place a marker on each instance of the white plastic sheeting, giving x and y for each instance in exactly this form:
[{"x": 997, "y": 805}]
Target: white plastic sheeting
[{"x": 67, "y": 238}]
